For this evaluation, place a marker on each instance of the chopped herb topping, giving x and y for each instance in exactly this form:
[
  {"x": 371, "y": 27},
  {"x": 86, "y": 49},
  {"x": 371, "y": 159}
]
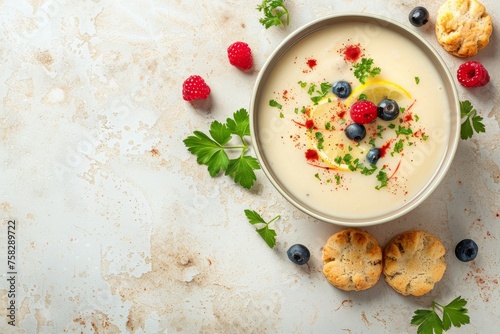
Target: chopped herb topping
[
  {"x": 383, "y": 179},
  {"x": 363, "y": 70},
  {"x": 401, "y": 130},
  {"x": 321, "y": 140},
  {"x": 273, "y": 103},
  {"x": 398, "y": 147}
]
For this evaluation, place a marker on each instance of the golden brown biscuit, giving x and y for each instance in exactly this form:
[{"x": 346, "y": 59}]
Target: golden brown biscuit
[
  {"x": 463, "y": 27},
  {"x": 414, "y": 262},
  {"x": 352, "y": 260}
]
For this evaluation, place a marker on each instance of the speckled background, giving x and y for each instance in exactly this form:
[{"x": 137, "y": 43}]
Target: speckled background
[{"x": 119, "y": 230}]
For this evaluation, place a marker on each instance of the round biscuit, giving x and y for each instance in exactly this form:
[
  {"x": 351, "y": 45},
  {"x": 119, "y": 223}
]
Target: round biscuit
[
  {"x": 352, "y": 260},
  {"x": 463, "y": 27},
  {"x": 414, "y": 262}
]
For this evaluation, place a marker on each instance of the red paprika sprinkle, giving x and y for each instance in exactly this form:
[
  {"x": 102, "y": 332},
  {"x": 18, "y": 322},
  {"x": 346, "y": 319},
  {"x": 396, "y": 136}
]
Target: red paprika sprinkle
[
  {"x": 408, "y": 117},
  {"x": 309, "y": 124},
  {"x": 384, "y": 148},
  {"x": 312, "y": 155},
  {"x": 352, "y": 53},
  {"x": 312, "y": 63}
]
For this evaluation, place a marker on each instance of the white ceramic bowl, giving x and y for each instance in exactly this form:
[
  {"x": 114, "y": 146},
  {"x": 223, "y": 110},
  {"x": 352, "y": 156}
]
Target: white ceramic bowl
[{"x": 368, "y": 25}]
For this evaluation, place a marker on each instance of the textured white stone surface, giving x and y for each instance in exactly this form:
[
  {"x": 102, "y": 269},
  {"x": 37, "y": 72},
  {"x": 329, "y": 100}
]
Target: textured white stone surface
[{"x": 119, "y": 230}]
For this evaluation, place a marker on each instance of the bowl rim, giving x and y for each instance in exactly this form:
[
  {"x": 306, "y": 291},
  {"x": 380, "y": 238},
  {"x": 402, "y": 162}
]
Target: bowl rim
[{"x": 449, "y": 84}]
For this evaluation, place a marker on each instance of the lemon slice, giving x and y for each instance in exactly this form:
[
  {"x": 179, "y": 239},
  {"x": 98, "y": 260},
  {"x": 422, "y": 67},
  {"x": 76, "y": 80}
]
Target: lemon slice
[
  {"x": 378, "y": 90},
  {"x": 329, "y": 139}
]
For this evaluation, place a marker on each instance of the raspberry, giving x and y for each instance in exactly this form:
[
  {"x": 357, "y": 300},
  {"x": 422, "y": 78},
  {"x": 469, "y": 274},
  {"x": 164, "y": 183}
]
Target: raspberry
[
  {"x": 472, "y": 74},
  {"x": 363, "y": 112},
  {"x": 195, "y": 88},
  {"x": 240, "y": 55}
]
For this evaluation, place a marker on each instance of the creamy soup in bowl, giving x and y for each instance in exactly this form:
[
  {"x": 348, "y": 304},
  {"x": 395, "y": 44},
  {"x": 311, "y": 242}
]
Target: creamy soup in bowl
[{"x": 303, "y": 131}]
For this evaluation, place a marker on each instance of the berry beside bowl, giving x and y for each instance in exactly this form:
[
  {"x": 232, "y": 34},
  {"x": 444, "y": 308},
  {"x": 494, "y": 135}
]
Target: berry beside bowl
[{"x": 353, "y": 141}]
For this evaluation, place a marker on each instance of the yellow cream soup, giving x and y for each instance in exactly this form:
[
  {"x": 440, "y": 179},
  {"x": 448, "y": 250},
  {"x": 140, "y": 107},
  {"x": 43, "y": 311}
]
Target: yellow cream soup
[{"x": 302, "y": 129}]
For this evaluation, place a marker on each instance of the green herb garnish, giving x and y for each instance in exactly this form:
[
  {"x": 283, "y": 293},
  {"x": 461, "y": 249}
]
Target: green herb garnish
[
  {"x": 273, "y": 103},
  {"x": 383, "y": 179},
  {"x": 429, "y": 322},
  {"x": 417, "y": 80},
  {"x": 348, "y": 159},
  {"x": 212, "y": 151},
  {"x": 311, "y": 89},
  {"x": 321, "y": 140},
  {"x": 363, "y": 70},
  {"x": 369, "y": 171},
  {"x": 472, "y": 123},
  {"x": 401, "y": 130},
  {"x": 380, "y": 129},
  {"x": 321, "y": 93},
  {"x": 274, "y": 10},
  {"x": 302, "y": 84},
  {"x": 268, "y": 234},
  {"x": 398, "y": 147}
]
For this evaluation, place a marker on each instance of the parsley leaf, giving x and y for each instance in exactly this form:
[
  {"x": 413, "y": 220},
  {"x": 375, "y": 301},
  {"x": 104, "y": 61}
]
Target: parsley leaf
[
  {"x": 401, "y": 130},
  {"x": 212, "y": 152},
  {"x": 321, "y": 140},
  {"x": 241, "y": 170},
  {"x": 429, "y": 322},
  {"x": 274, "y": 10},
  {"x": 363, "y": 70},
  {"x": 398, "y": 147},
  {"x": 240, "y": 126},
  {"x": 268, "y": 234},
  {"x": 324, "y": 89},
  {"x": 455, "y": 314},
  {"x": 273, "y": 103},
  {"x": 473, "y": 122},
  {"x": 383, "y": 179},
  {"x": 417, "y": 80}
]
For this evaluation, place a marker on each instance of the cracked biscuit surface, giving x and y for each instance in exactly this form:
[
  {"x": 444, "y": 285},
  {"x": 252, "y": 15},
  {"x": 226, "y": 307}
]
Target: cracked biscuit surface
[
  {"x": 463, "y": 27},
  {"x": 414, "y": 262},
  {"x": 352, "y": 260}
]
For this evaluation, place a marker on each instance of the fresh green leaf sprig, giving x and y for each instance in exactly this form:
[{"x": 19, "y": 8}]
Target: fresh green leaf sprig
[
  {"x": 275, "y": 13},
  {"x": 212, "y": 152},
  {"x": 275, "y": 104},
  {"x": 429, "y": 322},
  {"x": 317, "y": 94},
  {"x": 473, "y": 122},
  {"x": 268, "y": 234},
  {"x": 363, "y": 70}
]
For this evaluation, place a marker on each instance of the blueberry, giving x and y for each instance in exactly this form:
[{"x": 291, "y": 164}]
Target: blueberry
[
  {"x": 355, "y": 131},
  {"x": 373, "y": 155},
  {"x": 342, "y": 89},
  {"x": 298, "y": 254},
  {"x": 419, "y": 16},
  {"x": 466, "y": 250},
  {"x": 388, "y": 110}
]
